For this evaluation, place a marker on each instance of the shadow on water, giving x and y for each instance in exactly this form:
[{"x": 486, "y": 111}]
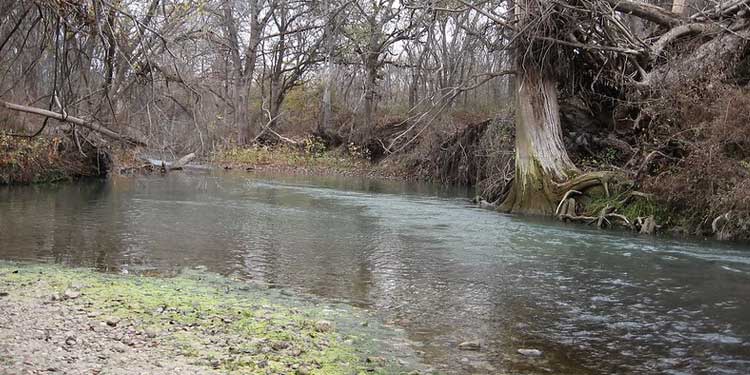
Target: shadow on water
[{"x": 421, "y": 258}]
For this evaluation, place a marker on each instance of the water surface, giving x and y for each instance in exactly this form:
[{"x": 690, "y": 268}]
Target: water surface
[{"x": 421, "y": 258}]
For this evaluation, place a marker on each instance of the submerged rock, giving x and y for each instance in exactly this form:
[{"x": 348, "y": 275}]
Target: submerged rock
[
  {"x": 470, "y": 345},
  {"x": 530, "y": 352}
]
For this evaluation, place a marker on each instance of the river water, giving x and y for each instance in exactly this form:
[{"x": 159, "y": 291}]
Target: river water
[{"x": 421, "y": 259}]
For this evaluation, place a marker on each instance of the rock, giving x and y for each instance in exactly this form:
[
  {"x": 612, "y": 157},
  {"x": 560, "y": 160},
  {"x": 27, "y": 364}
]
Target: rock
[
  {"x": 151, "y": 332},
  {"x": 280, "y": 345},
  {"x": 55, "y": 297},
  {"x": 303, "y": 370},
  {"x": 71, "y": 294},
  {"x": 379, "y": 361},
  {"x": 113, "y": 321},
  {"x": 530, "y": 352},
  {"x": 3, "y": 294},
  {"x": 323, "y": 326},
  {"x": 70, "y": 341},
  {"x": 470, "y": 345}
]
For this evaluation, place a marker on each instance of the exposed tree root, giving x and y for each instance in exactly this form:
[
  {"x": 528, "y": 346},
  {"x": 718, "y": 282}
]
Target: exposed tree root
[{"x": 568, "y": 208}]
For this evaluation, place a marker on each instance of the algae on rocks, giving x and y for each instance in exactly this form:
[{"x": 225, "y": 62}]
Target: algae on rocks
[{"x": 195, "y": 320}]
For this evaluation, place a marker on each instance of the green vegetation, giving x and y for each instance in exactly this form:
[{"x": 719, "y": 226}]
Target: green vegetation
[
  {"x": 30, "y": 160},
  {"x": 632, "y": 208},
  {"x": 209, "y": 319},
  {"x": 311, "y": 153}
]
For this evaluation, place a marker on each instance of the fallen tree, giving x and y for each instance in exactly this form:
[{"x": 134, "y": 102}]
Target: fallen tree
[{"x": 64, "y": 117}]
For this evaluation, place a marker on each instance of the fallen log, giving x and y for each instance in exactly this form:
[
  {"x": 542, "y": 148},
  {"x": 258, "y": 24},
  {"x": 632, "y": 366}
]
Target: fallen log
[
  {"x": 75, "y": 120},
  {"x": 179, "y": 164},
  {"x": 182, "y": 162}
]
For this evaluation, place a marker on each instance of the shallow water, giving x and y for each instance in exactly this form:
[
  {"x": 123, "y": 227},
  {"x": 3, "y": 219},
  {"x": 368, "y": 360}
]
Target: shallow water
[{"x": 421, "y": 258}]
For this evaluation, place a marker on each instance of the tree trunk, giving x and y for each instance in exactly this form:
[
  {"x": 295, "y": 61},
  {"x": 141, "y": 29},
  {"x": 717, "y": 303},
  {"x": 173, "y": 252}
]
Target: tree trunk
[
  {"x": 542, "y": 162},
  {"x": 369, "y": 101}
]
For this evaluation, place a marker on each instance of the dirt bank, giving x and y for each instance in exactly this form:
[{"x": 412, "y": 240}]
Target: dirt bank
[
  {"x": 49, "y": 159},
  {"x": 54, "y": 319}
]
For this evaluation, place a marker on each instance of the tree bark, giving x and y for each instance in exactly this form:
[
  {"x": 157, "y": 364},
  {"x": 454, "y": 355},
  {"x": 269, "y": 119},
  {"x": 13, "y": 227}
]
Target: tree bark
[{"x": 541, "y": 159}]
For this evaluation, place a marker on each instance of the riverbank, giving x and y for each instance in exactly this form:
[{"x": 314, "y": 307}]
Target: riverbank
[
  {"x": 45, "y": 159},
  {"x": 312, "y": 159},
  {"x": 74, "y": 321}
]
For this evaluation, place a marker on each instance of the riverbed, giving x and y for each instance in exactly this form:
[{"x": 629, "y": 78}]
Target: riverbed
[{"x": 418, "y": 256}]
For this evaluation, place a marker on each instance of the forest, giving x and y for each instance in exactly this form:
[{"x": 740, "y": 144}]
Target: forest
[{"x": 618, "y": 113}]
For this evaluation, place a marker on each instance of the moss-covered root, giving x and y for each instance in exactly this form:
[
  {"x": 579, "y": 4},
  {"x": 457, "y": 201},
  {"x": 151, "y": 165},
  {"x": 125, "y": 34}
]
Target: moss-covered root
[{"x": 194, "y": 322}]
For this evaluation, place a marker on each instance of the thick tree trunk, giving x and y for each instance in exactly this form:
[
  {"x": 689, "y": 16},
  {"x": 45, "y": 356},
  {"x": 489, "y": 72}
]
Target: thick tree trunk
[
  {"x": 368, "y": 122},
  {"x": 542, "y": 162}
]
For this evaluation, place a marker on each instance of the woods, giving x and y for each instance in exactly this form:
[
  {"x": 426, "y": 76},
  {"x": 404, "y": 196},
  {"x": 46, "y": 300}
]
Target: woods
[{"x": 605, "y": 97}]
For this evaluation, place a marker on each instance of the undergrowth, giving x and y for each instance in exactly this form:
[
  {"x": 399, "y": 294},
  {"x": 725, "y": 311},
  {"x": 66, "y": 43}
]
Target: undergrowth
[
  {"x": 311, "y": 153},
  {"x": 30, "y": 160}
]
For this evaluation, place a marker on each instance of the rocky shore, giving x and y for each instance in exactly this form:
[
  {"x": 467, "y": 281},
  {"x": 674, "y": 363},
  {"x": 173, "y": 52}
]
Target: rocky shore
[{"x": 58, "y": 320}]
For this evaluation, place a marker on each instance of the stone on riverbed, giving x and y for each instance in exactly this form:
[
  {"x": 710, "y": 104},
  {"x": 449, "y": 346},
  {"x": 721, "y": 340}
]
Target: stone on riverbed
[
  {"x": 470, "y": 345},
  {"x": 530, "y": 352},
  {"x": 71, "y": 294},
  {"x": 323, "y": 326}
]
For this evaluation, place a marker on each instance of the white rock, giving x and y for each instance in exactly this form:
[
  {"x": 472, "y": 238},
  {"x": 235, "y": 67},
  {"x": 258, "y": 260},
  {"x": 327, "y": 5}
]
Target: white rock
[{"x": 530, "y": 352}]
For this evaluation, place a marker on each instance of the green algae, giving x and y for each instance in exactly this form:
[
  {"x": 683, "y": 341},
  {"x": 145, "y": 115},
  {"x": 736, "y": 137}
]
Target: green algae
[{"x": 217, "y": 322}]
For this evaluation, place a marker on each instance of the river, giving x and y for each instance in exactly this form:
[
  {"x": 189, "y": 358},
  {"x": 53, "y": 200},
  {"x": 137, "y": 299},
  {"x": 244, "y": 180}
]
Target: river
[{"x": 421, "y": 258}]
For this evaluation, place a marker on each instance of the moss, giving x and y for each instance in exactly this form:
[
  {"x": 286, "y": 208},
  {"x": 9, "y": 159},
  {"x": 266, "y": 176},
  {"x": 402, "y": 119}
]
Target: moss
[{"x": 195, "y": 310}]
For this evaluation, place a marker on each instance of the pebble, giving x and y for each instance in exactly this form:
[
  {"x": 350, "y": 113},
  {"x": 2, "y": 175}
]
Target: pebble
[
  {"x": 70, "y": 341},
  {"x": 530, "y": 352},
  {"x": 323, "y": 326},
  {"x": 470, "y": 345},
  {"x": 379, "y": 361},
  {"x": 151, "y": 333},
  {"x": 113, "y": 321},
  {"x": 71, "y": 294},
  {"x": 280, "y": 345}
]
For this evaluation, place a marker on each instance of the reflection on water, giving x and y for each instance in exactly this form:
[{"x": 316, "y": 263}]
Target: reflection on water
[{"x": 421, "y": 258}]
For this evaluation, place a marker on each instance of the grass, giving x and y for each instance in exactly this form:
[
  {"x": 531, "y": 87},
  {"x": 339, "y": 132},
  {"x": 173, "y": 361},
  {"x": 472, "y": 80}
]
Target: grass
[
  {"x": 197, "y": 309},
  {"x": 311, "y": 155},
  {"x": 632, "y": 208}
]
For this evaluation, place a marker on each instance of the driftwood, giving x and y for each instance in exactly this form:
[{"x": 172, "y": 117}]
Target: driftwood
[
  {"x": 647, "y": 225},
  {"x": 166, "y": 166},
  {"x": 77, "y": 121},
  {"x": 182, "y": 162}
]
